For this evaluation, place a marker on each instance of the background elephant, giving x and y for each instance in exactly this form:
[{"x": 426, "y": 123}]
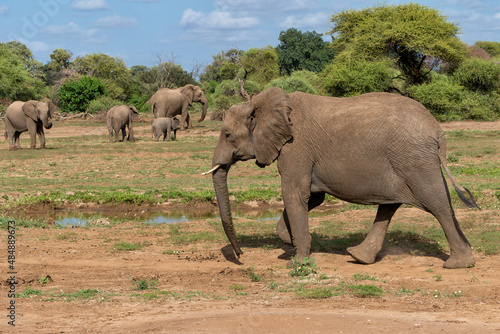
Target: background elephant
[
  {"x": 165, "y": 126},
  {"x": 31, "y": 116},
  {"x": 376, "y": 149},
  {"x": 118, "y": 118},
  {"x": 172, "y": 102}
]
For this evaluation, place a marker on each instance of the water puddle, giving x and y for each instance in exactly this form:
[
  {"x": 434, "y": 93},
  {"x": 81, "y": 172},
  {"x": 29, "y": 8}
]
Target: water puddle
[{"x": 169, "y": 217}]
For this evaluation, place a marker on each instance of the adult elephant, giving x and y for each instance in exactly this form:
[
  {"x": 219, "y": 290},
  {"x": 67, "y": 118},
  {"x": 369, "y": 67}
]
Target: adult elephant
[
  {"x": 31, "y": 116},
  {"x": 376, "y": 149},
  {"x": 118, "y": 118},
  {"x": 172, "y": 102}
]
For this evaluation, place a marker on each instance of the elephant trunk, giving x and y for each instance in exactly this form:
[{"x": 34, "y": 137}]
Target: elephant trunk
[
  {"x": 219, "y": 178},
  {"x": 205, "y": 107},
  {"x": 47, "y": 124}
]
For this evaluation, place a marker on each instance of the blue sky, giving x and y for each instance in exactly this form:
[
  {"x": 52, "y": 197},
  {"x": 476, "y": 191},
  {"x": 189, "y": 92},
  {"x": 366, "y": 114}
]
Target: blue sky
[{"x": 142, "y": 32}]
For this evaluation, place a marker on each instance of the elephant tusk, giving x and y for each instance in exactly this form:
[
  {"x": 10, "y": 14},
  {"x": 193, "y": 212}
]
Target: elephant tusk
[{"x": 212, "y": 170}]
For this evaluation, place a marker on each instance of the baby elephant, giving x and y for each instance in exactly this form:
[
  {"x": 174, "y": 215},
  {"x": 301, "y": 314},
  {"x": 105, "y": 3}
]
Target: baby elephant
[
  {"x": 118, "y": 118},
  {"x": 165, "y": 125}
]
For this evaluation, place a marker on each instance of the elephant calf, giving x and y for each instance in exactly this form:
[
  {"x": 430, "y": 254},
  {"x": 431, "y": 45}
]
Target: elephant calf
[
  {"x": 118, "y": 118},
  {"x": 31, "y": 116},
  {"x": 165, "y": 126}
]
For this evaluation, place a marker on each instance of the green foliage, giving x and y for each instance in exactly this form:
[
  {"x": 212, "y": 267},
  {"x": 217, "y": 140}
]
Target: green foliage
[
  {"x": 298, "y": 81},
  {"x": 59, "y": 59},
  {"x": 16, "y": 81},
  {"x": 76, "y": 94},
  {"x": 254, "y": 277},
  {"x": 410, "y": 33},
  {"x": 354, "y": 77},
  {"x": 102, "y": 103},
  {"x": 113, "y": 72},
  {"x": 493, "y": 48},
  {"x": 448, "y": 100},
  {"x": 302, "y": 51},
  {"x": 262, "y": 64},
  {"x": 144, "y": 284},
  {"x": 478, "y": 75},
  {"x": 303, "y": 268}
]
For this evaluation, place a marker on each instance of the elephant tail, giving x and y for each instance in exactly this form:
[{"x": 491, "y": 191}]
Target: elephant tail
[
  {"x": 463, "y": 193},
  {"x": 6, "y": 135}
]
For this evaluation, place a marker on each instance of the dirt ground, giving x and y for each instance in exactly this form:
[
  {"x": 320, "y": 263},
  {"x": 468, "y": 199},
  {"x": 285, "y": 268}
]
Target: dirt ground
[{"x": 200, "y": 288}]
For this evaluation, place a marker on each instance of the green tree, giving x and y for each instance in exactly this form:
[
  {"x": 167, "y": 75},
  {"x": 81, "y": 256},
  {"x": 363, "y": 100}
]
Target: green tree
[
  {"x": 59, "y": 59},
  {"x": 302, "y": 51},
  {"x": 113, "y": 72},
  {"x": 212, "y": 72},
  {"x": 76, "y": 94},
  {"x": 410, "y": 33},
  {"x": 16, "y": 80}
]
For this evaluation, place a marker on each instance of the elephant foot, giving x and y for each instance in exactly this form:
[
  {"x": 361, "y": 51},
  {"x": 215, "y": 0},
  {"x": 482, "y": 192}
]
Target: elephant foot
[
  {"x": 361, "y": 255},
  {"x": 459, "y": 261}
]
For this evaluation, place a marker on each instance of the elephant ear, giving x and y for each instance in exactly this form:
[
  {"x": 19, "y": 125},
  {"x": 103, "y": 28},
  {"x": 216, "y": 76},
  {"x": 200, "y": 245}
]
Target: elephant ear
[
  {"x": 29, "y": 109},
  {"x": 188, "y": 93},
  {"x": 52, "y": 108},
  {"x": 270, "y": 120},
  {"x": 133, "y": 110}
]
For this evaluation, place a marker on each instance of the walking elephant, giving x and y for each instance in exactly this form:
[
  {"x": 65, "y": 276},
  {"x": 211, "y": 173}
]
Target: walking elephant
[
  {"x": 31, "y": 116},
  {"x": 375, "y": 149},
  {"x": 164, "y": 126},
  {"x": 118, "y": 118},
  {"x": 172, "y": 102}
]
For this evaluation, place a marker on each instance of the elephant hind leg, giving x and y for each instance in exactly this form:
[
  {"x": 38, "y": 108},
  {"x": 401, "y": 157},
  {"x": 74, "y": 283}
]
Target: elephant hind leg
[
  {"x": 437, "y": 201},
  {"x": 367, "y": 251}
]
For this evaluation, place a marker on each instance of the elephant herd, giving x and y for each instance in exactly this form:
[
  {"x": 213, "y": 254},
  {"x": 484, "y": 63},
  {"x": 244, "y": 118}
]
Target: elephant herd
[
  {"x": 33, "y": 116},
  {"x": 375, "y": 149}
]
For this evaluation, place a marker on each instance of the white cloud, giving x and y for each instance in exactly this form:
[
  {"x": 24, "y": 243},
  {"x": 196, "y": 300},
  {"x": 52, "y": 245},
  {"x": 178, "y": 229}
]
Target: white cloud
[
  {"x": 306, "y": 21},
  {"x": 216, "y": 20},
  {"x": 4, "y": 10},
  {"x": 497, "y": 16},
  {"x": 73, "y": 31},
  {"x": 89, "y": 4},
  {"x": 268, "y": 6},
  {"x": 116, "y": 21}
]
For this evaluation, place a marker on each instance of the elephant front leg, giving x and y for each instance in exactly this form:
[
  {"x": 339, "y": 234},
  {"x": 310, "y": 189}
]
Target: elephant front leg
[
  {"x": 41, "y": 135},
  {"x": 283, "y": 228},
  {"x": 296, "y": 206},
  {"x": 367, "y": 251}
]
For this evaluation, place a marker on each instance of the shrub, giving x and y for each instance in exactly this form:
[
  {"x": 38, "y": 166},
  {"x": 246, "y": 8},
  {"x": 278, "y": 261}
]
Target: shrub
[
  {"x": 448, "y": 101},
  {"x": 299, "y": 81},
  {"x": 354, "y": 77},
  {"x": 478, "y": 75},
  {"x": 102, "y": 103},
  {"x": 75, "y": 95}
]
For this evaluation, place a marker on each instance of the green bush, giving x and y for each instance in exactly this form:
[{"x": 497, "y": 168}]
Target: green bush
[
  {"x": 299, "y": 81},
  {"x": 102, "y": 103},
  {"x": 478, "y": 75},
  {"x": 449, "y": 101},
  {"x": 354, "y": 77},
  {"x": 76, "y": 94}
]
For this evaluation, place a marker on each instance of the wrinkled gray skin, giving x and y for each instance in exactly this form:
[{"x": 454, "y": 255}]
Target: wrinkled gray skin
[
  {"x": 172, "y": 102},
  {"x": 164, "y": 126},
  {"x": 31, "y": 116},
  {"x": 117, "y": 119},
  {"x": 376, "y": 149}
]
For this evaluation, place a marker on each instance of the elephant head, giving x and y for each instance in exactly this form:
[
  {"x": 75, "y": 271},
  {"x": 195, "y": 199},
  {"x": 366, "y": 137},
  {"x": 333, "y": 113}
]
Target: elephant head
[
  {"x": 39, "y": 111},
  {"x": 194, "y": 93},
  {"x": 133, "y": 111},
  {"x": 255, "y": 130}
]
